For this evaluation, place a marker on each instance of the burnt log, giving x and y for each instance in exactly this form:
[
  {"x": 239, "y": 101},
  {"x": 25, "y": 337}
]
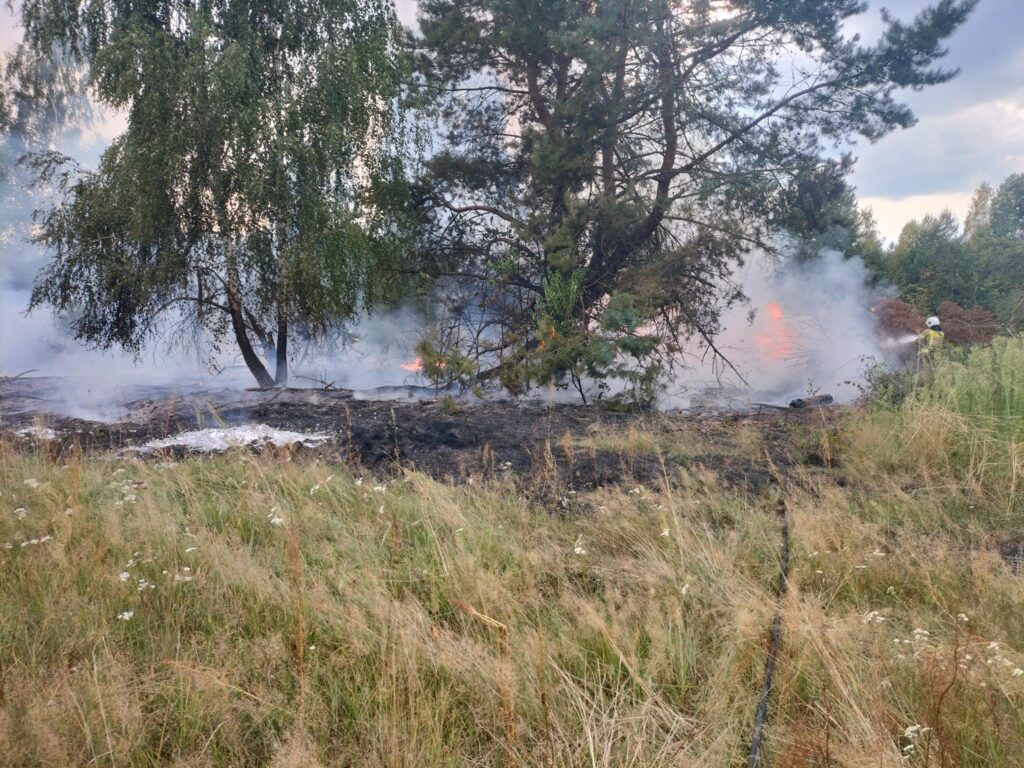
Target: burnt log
[{"x": 811, "y": 402}]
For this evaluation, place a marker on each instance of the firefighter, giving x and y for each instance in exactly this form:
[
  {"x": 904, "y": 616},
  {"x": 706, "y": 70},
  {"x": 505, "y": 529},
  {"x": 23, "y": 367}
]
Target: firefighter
[{"x": 931, "y": 340}]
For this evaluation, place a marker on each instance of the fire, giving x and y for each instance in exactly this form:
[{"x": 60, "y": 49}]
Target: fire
[
  {"x": 779, "y": 340},
  {"x": 416, "y": 366}
]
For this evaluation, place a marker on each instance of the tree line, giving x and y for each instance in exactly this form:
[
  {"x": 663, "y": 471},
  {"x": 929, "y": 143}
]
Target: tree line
[
  {"x": 940, "y": 266},
  {"x": 569, "y": 183}
]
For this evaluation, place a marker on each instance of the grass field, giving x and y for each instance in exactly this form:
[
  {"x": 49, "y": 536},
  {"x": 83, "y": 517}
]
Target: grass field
[{"x": 245, "y": 610}]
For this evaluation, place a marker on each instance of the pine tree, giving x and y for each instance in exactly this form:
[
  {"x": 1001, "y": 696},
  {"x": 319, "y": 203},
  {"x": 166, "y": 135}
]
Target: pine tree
[{"x": 607, "y": 162}]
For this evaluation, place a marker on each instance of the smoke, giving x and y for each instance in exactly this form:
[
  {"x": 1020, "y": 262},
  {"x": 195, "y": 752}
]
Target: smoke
[
  {"x": 368, "y": 353},
  {"x": 807, "y": 329}
]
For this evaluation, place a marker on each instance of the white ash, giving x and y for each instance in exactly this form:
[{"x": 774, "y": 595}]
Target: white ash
[
  {"x": 221, "y": 439},
  {"x": 40, "y": 433}
]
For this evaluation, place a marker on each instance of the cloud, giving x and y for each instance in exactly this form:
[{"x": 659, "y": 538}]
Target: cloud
[
  {"x": 948, "y": 153},
  {"x": 892, "y": 213},
  {"x": 970, "y": 130}
]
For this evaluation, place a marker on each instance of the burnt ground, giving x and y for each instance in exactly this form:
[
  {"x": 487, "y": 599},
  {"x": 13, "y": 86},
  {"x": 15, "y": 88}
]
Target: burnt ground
[{"x": 563, "y": 445}]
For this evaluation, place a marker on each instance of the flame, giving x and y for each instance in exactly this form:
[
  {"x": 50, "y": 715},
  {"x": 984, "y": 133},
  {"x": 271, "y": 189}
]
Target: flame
[
  {"x": 416, "y": 366},
  {"x": 779, "y": 340}
]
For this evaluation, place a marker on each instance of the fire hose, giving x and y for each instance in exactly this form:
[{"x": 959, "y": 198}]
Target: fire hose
[{"x": 775, "y": 639}]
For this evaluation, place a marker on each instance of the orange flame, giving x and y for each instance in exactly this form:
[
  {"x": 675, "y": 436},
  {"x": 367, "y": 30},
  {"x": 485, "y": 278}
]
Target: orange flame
[
  {"x": 779, "y": 341},
  {"x": 416, "y": 366}
]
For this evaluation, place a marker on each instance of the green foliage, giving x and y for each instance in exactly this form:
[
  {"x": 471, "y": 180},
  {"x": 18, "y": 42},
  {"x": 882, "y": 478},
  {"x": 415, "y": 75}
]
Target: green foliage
[
  {"x": 444, "y": 366},
  {"x": 252, "y": 192},
  {"x": 982, "y": 264}
]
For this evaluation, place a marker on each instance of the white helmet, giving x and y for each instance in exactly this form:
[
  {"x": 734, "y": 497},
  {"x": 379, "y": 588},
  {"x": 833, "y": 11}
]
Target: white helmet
[{"x": 932, "y": 322}]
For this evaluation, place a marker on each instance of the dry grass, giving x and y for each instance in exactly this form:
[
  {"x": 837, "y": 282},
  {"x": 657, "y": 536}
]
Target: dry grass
[
  {"x": 288, "y": 613},
  {"x": 407, "y": 623},
  {"x": 665, "y": 436}
]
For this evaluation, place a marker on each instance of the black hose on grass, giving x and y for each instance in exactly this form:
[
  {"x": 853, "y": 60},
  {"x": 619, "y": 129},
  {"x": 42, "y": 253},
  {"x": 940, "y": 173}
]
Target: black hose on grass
[{"x": 773, "y": 648}]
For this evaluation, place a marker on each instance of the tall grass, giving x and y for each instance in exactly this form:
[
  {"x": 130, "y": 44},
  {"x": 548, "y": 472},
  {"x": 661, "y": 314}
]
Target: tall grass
[
  {"x": 959, "y": 434},
  {"x": 276, "y": 611},
  {"x": 243, "y": 611}
]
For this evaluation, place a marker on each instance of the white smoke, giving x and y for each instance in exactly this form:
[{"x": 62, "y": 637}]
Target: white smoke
[{"x": 807, "y": 329}]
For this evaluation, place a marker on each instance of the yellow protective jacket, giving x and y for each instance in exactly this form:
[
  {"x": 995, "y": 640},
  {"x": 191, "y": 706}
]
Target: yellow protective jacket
[{"x": 930, "y": 341}]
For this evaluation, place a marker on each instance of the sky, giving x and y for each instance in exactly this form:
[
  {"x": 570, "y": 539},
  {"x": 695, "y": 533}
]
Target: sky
[{"x": 969, "y": 131}]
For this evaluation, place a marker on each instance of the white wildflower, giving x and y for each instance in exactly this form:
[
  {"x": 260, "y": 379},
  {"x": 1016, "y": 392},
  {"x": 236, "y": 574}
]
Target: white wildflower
[
  {"x": 275, "y": 519},
  {"x": 686, "y": 589},
  {"x": 32, "y": 483},
  {"x": 962, "y": 617},
  {"x": 921, "y": 634},
  {"x": 124, "y": 576},
  {"x": 877, "y": 553},
  {"x": 891, "y": 591},
  {"x": 577, "y": 548},
  {"x": 993, "y": 646},
  {"x": 819, "y": 571},
  {"x": 359, "y": 481},
  {"x": 125, "y": 615},
  {"x": 380, "y": 489},
  {"x": 21, "y": 513},
  {"x": 181, "y": 577},
  {"x": 664, "y": 531},
  {"x": 873, "y": 617}
]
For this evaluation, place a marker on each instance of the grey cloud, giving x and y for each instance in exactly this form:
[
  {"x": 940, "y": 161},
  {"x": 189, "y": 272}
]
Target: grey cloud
[{"x": 970, "y": 129}]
